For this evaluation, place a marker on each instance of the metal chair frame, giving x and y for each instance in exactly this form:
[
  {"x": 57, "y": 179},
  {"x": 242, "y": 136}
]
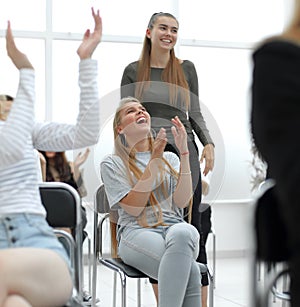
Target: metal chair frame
[
  {"x": 63, "y": 206},
  {"x": 214, "y": 256}
]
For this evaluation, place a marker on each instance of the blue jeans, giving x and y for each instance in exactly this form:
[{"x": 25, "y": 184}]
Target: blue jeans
[
  {"x": 167, "y": 254},
  {"x": 29, "y": 230}
]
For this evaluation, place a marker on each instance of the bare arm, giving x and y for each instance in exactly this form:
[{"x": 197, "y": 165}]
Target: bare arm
[
  {"x": 19, "y": 59},
  {"x": 55, "y": 136},
  {"x": 91, "y": 40},
  {"x": 79, "y": 160},
  {"x": 19, "y": 119},
  {"x": 136, "y": 200},
  {"x": 184, "y": 190}
]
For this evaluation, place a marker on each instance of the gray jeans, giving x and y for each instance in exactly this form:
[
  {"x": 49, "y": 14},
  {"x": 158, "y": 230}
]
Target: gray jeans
[{"x": 167, "y": 254}]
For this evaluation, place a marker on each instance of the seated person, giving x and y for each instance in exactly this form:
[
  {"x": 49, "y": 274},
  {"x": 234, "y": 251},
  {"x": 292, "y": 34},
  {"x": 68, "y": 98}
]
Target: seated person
[
  {"x": 29, "y": 249},
  {"x": 150, "y": 187},
  {"x": 57, "y": 168},
  {"x": 205, "y": 227}
]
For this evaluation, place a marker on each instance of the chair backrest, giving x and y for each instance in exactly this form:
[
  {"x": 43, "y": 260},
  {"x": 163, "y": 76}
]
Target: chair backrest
[
  {"x": 102, "y": 207},
  {"x": 60, "y": 204},
  {"x": 270, "y": 230},
  {"x": 101, "y": 201},
  {"x": 63, "y": 205}
]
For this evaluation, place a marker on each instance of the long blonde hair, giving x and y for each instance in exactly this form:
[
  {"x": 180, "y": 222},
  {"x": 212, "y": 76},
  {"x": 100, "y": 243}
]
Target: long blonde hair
[
  {"x": 134, "y": 173},
  {"x": 173, "y": 73}
]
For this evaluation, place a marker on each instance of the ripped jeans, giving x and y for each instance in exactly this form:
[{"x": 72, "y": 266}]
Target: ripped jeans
[{"x": 167, "y": 254}]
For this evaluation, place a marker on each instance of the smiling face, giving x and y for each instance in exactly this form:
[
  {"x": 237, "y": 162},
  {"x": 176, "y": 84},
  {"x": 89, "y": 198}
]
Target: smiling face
[
  {"x": 134, "y": 120},
  {"x": 163, "y": 33}
]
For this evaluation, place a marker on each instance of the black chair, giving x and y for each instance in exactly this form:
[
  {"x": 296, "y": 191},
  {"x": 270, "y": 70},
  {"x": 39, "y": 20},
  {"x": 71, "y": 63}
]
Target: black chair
[
  {"x": 63, "y": 207},
  {"x": 271, "y": 252},
  {"x": 116, "y": 264}
]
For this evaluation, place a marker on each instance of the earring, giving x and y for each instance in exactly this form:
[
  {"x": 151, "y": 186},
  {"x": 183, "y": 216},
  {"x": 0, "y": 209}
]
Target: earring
[{"x": 123, "y": 139}]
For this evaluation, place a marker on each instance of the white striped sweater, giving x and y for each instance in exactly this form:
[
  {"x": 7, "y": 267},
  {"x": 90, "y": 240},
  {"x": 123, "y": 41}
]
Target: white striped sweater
[{"x": 19, "y": 135}]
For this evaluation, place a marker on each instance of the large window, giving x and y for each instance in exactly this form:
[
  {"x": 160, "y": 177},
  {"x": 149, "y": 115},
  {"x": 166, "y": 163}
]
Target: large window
[{"x": 217, "y": 35}]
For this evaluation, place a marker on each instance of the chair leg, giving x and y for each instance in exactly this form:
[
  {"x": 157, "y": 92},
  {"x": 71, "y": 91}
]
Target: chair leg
[
  {"x": 139, "y": 300},
  {"x": 214, "y": 260},
  {"x": 115, "y": 289},
  {"x": 284, "y": 288},
  {"x": 123, "y": 288},
  {"x": 258, "y": 270},
  {"x": 89, "y": 265},
  {"x": 94, "y": 276},
  {"x": 211, "y": 290}
]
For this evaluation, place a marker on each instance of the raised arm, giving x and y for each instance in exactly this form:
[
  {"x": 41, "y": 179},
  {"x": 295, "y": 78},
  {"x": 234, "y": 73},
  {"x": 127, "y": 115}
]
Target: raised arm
[
  {"x": 136, "y": 200},
  {"x": 19, "y": 59},
  {"x": 14, "y": 132},
  {"x": 61, "y": 137},
  {"x": 91, "y": 40},
  {"x": 184, "y": 191},
  {"x": 79, "y": 160}
]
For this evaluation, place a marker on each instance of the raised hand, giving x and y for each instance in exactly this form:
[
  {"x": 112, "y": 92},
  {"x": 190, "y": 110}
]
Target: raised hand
[
  {"x": 180, "y": 135},
  {"x": 91, "y": 40},
  {"x": 159, "y": 144},
  {"x": 19, "y": 59},
  {"x": 81, "y": 158}
]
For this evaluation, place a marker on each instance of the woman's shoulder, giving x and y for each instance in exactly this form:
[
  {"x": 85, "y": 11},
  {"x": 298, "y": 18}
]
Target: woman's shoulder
[
  {"x": 187, "y": 64},
  {"x": 111, "y": 161},
  {"x": 132, "y": 66},
  {"x": 189, "y": 68},
  {"x": 110, "y": 158},
  {"x": 277, "y": 44}
]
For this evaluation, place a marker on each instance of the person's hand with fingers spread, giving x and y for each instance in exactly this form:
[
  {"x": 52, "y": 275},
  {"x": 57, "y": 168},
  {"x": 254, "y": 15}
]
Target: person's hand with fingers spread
[
  {"x": 159, "y": 144},
  {"x": 180, "y": 135},
  {"x": 19, "y": 59},
  {"x": 91, "y": 40},
  {"x": 81, "y": 158},
  {"x": 185, "y": 178}
]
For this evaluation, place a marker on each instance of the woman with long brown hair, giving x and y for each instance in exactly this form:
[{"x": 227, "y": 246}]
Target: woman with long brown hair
[{"x": 168, "y": 87}]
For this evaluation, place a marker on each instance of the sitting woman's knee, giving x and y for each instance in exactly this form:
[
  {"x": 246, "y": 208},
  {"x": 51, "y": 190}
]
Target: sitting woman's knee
[{"x": 184, "y": 234}]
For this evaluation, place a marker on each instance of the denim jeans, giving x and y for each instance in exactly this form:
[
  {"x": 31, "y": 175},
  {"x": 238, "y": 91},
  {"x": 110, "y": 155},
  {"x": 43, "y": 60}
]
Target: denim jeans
[
  {"x": 29, "y": 230},
  {"x": 166, "y": 253}
]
